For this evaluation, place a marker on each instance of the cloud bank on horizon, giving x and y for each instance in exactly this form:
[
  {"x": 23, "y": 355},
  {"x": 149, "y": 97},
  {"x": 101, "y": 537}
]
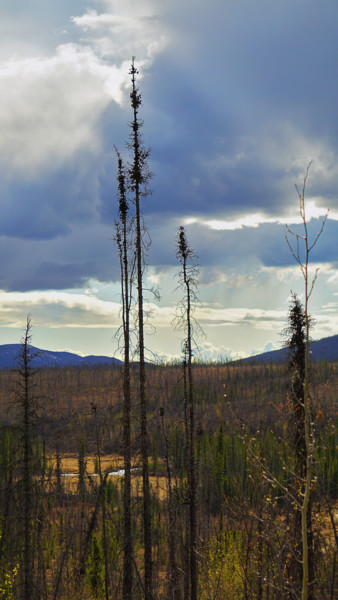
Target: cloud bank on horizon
[{"x": 238, "y": 98}]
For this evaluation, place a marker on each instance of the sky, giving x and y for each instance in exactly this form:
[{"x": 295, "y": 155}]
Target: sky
[{"x": 237, "y": 98}]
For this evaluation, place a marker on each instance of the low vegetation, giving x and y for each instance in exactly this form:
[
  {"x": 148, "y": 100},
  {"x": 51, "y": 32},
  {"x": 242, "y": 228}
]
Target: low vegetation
[{"x": 244, "y": 464}]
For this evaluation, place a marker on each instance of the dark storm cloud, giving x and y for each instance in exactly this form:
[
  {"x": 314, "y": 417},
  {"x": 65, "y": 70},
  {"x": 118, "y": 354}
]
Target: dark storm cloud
[
  {"x": 240, "y": 106},
  {"x": 262, "y": 58},
  {"x": 242, "y": 248},
  {"x": 272, "y": 253},
  {"x": 49, "y": 207},
  {"x": 87, "y": 253},
  {"x": 61, "y": 263},
  {"x": 234, "y": 107}
]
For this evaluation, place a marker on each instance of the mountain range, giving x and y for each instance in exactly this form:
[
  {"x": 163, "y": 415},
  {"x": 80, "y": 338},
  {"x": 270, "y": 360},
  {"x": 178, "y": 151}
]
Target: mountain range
[
  {"x": 324, "y": 349},
  {"x": 9, "y": 354}
]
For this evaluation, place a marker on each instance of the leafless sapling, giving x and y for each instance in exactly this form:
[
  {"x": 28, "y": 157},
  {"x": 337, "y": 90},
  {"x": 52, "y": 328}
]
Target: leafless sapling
[{"x": 300, "y": 249}]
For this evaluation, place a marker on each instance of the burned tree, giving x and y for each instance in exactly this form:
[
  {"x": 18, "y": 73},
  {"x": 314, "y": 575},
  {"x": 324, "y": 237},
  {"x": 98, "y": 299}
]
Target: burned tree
[
  {"x": 26, "y": 401},
  {"x": 126, "y": 267},
  {"x": 186, "y": 322},
  {"x": 134, "y": 181}
]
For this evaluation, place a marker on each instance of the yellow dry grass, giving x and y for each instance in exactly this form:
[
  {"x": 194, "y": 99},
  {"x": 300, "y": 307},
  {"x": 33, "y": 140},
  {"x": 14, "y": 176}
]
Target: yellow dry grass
[{"x": 111, "y": 463}]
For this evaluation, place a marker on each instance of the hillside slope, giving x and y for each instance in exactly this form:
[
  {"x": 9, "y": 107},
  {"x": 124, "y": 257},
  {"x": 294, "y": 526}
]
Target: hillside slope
[
  {"x": 9, "y": 354},
  {"x": 324, "y": 349}
]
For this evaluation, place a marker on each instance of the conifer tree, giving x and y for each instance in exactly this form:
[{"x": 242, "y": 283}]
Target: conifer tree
[
  {"x": 296, "y": 344},
  {"x": 27, "y": 403},
  {"x": 139, "y": 176},
  {"x": 123, "y": 243},
  {"x": 95, "y": 568},
  {"x": 186, "y": 322}
]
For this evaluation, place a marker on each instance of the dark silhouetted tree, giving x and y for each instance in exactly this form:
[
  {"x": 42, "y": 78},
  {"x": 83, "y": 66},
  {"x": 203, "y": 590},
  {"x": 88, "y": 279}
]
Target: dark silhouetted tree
[
  {"x": 296, "y": 344},
  {"x": 185, "y": 321},
  {"x": 127, "y": 268},
  {"x": 138, "y": 179},
  {"x": 27, "y": 402}
]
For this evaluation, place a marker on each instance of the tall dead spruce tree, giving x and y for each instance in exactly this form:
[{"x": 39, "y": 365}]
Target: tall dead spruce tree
[
  {"x": 137, "y": 178},
  {"x": 123, "y": 243},
  {"x": 301, "y": 252},
  {"x": 27, "y": 402},
  {"x": 186, "y": 321}
]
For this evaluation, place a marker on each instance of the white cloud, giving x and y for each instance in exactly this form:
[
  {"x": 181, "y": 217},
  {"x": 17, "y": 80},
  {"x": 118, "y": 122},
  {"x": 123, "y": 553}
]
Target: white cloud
[
  {"x": 314, "y": 210},
  {"x": 253, "y": 220},
  {"x": 204, "y": 352},
  {"x": 333, "y": 277},
  {"x": 57, "y": 309},
  {"x": 49, "y": 107},
  {"x": 126, "y": 29},
  {"x": 60, "y": 308},
  {"x": 216, "y": 275},
  {"x": 284, "y": 145},
  {"x": 325, "y": 324},
  {"x": 210, "y": 352},
  {"x": 330, "y": 307},
  {"x": 109, "y": 21},
  {"x": 268, "y": 347},
  {"x": 256, "y": 317}
]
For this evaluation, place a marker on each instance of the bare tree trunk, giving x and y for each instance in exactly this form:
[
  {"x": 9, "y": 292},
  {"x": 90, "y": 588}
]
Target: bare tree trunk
[
  {"x": 173, "y": 583},
  {"x": 303, "y": 261},
  {"x": 26, "y": 402},
  {"x": 192, "y": 491},
  {"x": 126, "y": 293},
  {"x": 187, "y": 512},
  {"x": 102, "y": 496},
  {"x": 138, "y": 179},
  {"x": 188, "y": 281}
]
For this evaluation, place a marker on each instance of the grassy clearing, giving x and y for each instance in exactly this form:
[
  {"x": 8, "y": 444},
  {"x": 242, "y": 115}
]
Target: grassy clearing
[{"x": 111, "y": 463}]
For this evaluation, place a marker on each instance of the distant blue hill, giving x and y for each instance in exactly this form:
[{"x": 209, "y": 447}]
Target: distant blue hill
[
  {"x": 9, "y": 354},
  {"x": 324, "y": 349}
]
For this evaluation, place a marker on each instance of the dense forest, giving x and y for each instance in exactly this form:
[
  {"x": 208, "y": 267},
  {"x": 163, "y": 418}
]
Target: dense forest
[{"x": 184, "y": 481}]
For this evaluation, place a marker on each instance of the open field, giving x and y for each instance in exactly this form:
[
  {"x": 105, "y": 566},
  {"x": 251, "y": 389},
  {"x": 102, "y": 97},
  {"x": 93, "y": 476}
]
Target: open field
[{"x": 111, "y": 464}]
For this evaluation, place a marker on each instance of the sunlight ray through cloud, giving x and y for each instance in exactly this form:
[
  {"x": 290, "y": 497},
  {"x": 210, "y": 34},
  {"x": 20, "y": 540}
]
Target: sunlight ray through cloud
[{"x": 226, "y": 152}]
